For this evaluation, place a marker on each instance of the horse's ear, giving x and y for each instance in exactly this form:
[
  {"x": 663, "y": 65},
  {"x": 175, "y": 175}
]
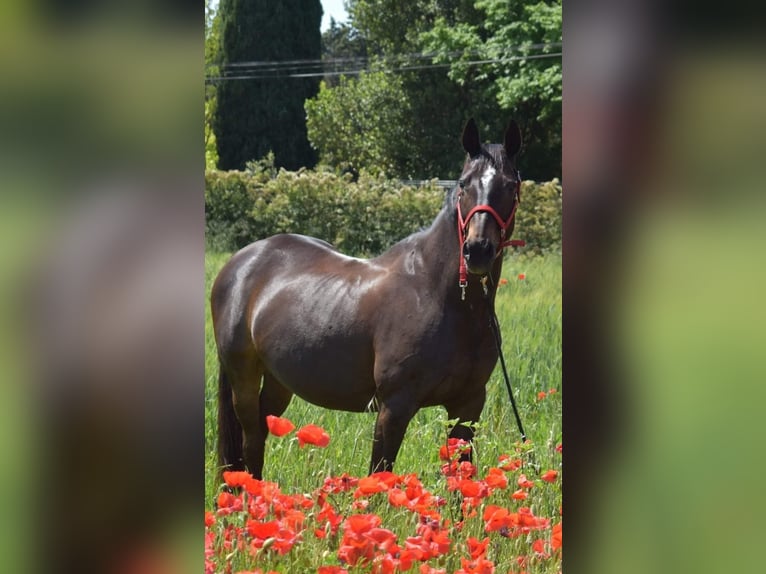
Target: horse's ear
[
  {"x": 512, "y": 141},
  {"x": 471, "y": 142}
]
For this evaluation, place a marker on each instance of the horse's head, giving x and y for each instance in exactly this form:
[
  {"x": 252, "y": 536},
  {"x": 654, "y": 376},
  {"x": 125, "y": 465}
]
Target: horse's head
[{"x": 487, "y": 198}]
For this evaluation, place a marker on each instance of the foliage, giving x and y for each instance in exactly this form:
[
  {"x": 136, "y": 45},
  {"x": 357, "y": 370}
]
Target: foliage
[
  {"x": 342, "y": 46},
  {"x": 538, "y": 218},
  {"x": 362, "y": 124},
  {"x": 211, "y": 150},
  {"x": 455, "y": 33},
  {"x": 528, "y": 89},
  {"x": 361, "y": 217},
  {"x": 255, "y": 116}
]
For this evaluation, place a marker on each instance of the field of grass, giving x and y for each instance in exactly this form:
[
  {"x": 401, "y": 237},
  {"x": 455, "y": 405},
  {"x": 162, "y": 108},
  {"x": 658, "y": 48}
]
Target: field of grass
[{"x": 529, "y": 310}]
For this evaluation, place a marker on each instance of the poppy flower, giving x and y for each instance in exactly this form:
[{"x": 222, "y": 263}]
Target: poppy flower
[
  {"x": 539, "y": 547},
  {"x": 503, "y": 281},
  {"x": 559, "y": 447},
  {"x": 454, "y": 445},
  {"x": 312, "y": 434},
  {"x": 522, "y": 276},
  {"x": 228, "y": 503},
  {"x": 524, "y": 482},
  {"x": 477, "y": 548},
  {"x": 279, "y": 426},
  {"x": 496, "y": 478},
  {"x": 541, "y": 395},
  {"x": 519, "y": 495},
  {"x": 262, "y": 530},
  {"x": 236, "y": 478},
  {"x": 556, "y": 536},
  {"x": 478, "y": 566},
  {"x": 509, "y": 464},
  {"x": 550, "y": 476},
  {"x": 331, "y": 570},
  {"x": 495, "y": 518}
]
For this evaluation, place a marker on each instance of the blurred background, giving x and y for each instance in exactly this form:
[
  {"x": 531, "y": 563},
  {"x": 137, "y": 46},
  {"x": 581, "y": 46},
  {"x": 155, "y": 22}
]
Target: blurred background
[{"x": 102, "y": 246}]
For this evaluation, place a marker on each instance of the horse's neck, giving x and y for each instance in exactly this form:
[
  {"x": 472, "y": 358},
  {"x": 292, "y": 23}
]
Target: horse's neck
[{"x": 440, "y": 250}]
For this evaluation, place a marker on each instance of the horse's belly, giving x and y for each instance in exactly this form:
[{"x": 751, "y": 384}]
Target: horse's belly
[{"x": 327, "y": 371}]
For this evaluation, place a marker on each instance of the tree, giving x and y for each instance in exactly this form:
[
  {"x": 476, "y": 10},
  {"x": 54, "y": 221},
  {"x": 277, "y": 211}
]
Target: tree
[
  {"x": 435, "y": 45},
  {"x": 343, "y": 48},
  {"x": 362, "y": 123},
  {"x": 523, "y": 75},
  {"x": 265, "y": 112}
]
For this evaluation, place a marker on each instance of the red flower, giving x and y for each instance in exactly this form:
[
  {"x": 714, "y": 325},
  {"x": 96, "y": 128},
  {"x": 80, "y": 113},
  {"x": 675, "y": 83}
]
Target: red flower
[
  {"x": 341, "y": 483},
  {"x": 236, "y": 478},
  {"x": 522, "y": 276},
  {"x": 496, "y": 478},
  {"x": 559, "y": 447},
  {"x": 479, "y": 566},
  {"x": 556, "y": 536},
  {"x": 509, "y": 464},
  {"x": 519, "y": 495},
  {"x": 539, "y": 547},
  {"x": 496, "y": 517},
  {"x": 541, "y": 395},
  {"x": 477, "y": 548},
  {"x": 209, "y": 518},
  {"x": 312, "y": 434},
  {"x": 262, "y": 530},
  {"x": 524, "y": 483},
  {"x": 454, "y": 445},
  {"x": 331, "y": 570},
  {"x": 503, "y": 281},
  {"x": 550, "y": 476},
  {"x": 228, "y": 503},
  {"x": 279, "y": 426}
]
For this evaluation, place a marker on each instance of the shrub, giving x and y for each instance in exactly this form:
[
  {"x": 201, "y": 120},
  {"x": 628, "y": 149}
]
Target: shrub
[
  {"x": 538, "y": 219},
  {"x": 362, "y": 217}
]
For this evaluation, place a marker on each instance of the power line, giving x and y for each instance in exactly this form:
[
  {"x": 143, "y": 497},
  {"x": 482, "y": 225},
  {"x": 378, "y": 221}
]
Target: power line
[
  {"x": 395, "y": 57},
  {"x": 259, "y": 74}
]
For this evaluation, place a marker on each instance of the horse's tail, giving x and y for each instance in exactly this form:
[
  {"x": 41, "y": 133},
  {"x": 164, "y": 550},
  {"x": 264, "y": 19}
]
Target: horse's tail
[{"x": 229, "y": 429}]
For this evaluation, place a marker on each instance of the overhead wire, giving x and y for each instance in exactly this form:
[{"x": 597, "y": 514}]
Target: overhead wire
[{"x": 308, "y": 68}]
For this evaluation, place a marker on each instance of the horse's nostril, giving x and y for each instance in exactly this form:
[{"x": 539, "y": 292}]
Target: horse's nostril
[{"x": 466, "y": 250}]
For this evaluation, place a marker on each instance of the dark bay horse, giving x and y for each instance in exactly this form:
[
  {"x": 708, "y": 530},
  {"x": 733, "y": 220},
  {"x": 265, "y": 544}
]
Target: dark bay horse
[{"x": 404, "y": 330}]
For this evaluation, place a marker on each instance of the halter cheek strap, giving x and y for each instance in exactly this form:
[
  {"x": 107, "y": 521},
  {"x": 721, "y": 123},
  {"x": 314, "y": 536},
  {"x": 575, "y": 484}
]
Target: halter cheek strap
[{"x": 462, "y": 225}]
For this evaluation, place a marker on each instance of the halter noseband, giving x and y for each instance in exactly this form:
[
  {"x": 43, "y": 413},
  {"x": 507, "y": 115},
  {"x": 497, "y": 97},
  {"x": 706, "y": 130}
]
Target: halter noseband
[{"x": 462, "y": 225}]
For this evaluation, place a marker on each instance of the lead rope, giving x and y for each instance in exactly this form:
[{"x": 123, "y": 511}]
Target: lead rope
[{"x": 495, "y": 325}]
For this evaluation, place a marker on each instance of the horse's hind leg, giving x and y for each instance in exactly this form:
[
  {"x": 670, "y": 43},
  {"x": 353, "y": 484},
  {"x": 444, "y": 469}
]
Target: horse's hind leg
[
  {"x": 274, "y": 399},
  {"x": 246, "y": 388}
]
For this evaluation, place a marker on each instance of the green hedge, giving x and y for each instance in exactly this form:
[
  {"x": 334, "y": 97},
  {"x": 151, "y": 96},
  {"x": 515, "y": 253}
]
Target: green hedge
[{"x": 362, "y": 217}]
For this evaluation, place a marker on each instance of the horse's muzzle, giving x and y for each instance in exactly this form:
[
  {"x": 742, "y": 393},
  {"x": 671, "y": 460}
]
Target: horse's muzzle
[{"x": 479, "y": 255}]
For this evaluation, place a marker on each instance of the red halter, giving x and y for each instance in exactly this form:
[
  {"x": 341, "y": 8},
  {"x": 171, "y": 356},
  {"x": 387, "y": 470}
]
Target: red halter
[{"x": 462, "y": 224}]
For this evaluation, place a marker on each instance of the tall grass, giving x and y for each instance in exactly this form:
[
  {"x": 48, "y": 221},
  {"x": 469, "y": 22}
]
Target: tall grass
[{"x": 529, "y": 311}]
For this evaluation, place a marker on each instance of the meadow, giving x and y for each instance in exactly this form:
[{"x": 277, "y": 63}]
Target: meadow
[{"x": 315, "y": 510}]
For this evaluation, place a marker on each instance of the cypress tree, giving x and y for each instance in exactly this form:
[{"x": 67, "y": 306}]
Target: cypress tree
[{"x": 255, "y": 116}]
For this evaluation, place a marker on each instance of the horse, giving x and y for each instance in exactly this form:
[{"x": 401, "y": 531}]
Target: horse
[{"x": 407, "y": 329}]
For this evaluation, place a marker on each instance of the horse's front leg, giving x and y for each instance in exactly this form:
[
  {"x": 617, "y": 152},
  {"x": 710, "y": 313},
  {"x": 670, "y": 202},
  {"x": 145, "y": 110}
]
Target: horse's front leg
[
  {"x": 393, "y": 417},
  {"x": 467, "y": 411}
]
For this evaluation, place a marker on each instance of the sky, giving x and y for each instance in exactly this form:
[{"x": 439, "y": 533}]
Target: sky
[
  {"x": 335, "y": 9},
  {"x": 332, "y": 8}
]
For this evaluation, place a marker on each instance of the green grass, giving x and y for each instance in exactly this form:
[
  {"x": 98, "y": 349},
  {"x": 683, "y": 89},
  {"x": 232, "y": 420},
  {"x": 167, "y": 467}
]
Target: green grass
[{"x": 529, "y": 311}]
